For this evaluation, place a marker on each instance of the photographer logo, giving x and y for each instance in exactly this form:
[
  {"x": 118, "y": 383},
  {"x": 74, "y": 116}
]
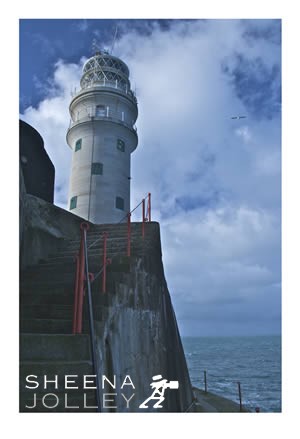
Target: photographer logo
[{"x": 159, "y": 385}]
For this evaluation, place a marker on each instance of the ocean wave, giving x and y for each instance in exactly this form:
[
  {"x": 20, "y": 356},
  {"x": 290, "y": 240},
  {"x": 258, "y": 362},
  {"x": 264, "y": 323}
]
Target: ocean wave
[{"x": 255, "y": 363}]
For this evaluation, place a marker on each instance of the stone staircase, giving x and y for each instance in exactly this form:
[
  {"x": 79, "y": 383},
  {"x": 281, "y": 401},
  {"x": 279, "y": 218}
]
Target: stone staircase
[{"x": 47, "y": 346}]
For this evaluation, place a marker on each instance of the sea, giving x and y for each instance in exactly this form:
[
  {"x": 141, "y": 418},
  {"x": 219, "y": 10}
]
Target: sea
[{"x": 254, "y": 361}]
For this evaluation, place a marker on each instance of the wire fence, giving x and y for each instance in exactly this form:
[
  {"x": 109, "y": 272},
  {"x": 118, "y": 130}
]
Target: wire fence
[{"x": 230, "y": 383}]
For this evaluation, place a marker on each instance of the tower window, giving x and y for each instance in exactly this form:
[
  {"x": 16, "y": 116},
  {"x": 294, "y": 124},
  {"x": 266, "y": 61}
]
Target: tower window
[
  {"x": 78, "y": 145},
  {"x": 121, "y": 145},
  {"x": 97, "y": 168},
  {"x": 120, "y": 203},
  {"x": 73, "y": 203}
]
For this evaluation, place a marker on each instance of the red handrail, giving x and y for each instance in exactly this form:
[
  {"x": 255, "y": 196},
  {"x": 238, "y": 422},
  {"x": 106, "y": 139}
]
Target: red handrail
[{"x": 79, "y": 277}]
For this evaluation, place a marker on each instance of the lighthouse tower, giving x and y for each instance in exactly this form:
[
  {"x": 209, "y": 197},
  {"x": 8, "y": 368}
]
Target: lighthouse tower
[{"x": 102, "y": 136}]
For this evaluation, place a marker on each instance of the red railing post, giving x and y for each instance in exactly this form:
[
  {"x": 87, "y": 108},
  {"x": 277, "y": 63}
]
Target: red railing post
[
  {"x": 149, "y": 207},
  {"x": 240, "y": 396},
  {"x": 143, "y": 221},
  {"x": 104, "y": 262},
  {"x": 128, "y": 234}
]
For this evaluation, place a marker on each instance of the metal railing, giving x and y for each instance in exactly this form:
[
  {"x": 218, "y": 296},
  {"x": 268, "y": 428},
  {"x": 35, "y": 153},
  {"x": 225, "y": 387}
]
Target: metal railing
[
  {"x": 189, "y": 407},
  {"x": 106, "y": 84},
  {"x": 91, "y": 321},
  {"x": 84, "y": 279},
  {"x": 106, "y": 261},
  {"x": 228, "y": 380},
  {"x": 110, "y": 118},
  {"x": 82, "y": 283}
]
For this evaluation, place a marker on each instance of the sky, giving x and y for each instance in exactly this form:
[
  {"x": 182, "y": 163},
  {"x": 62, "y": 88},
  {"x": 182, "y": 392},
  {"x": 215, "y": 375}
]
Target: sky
[{"x": 215, "y": 181}]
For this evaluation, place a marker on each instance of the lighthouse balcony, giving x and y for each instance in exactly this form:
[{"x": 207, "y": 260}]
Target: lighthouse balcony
[
  {"x": 103, "y": 113},
  {"x": 107, "y": 85}
]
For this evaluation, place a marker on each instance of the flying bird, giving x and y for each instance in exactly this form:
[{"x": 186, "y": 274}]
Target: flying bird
[{"x": 238, "y": 117}]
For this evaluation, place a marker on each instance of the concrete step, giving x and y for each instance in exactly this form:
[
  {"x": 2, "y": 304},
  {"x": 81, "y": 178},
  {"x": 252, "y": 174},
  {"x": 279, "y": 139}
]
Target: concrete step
[
  {"x": 33, "y": 293},
  {"x": 50, "y": 282},
  {"x": 95, "y": 257},
  {"x": 111, "y": 251},
  {"x": 36, "y": 294},
  {"x": 29, "y": 289},
  {"x": 58, "y": 312},
  {"x": 50, "y": 306},
  {"x": 33, "y": 290},
  {"x": 43, "y": 266},
  {"x": 121, "y": 241},
  {"x": 46, "y": 295},
  {"x": 100, "y": 228},
  {"x": 63, "y": 263},
  {"x": 59, "y": 268},
  {"x": 96, "y": 241},
  {"x": 44, "y": 269},
  {"x": 46, "y": 326},
  {"x": 57, "y": 326},
  {"x": 49, "y": 277},
  {"x": 61, "y": 259},
  {"x": 54, "y": 280},
  {"x": 111, "y": 235},
  {"x": 58, "y": 261},
  {"x": 54, "y": 347},
  {"x": 46, "y": 311}
]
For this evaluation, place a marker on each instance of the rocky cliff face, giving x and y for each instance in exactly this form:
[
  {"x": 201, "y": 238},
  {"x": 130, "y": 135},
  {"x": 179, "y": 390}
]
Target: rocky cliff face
[{"x": 135, "y": 325}]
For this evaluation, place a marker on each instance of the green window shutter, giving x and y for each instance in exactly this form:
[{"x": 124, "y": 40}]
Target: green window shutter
[
  {"x": 73, "y": 202},
  {"x": 119, "y": 203},
  {"x": 97, "y": 168},
  {"x": 78, "y": 145},
  {"x": 121, "y": 145}
]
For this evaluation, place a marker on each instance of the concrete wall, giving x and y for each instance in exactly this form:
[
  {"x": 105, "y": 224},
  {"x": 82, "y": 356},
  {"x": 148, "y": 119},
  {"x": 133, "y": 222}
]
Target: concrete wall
[
  {"x": 43, "y": 229},
  {"x": 140, "y": 337},
  {"x": 136, "y": 329},
  {"x": 38, "y": 170}
]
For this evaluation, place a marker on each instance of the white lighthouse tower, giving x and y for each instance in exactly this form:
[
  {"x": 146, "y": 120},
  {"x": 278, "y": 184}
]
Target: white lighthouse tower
[{"x": 102, "y": 136}]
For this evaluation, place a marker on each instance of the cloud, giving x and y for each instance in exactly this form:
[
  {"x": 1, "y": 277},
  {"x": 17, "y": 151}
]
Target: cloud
[
  {"x": 82, "y": 25},
  {"x": 51, "y": 118},
  {"x": 244, "y": 133},
  {"x": 215, "y": 182}
]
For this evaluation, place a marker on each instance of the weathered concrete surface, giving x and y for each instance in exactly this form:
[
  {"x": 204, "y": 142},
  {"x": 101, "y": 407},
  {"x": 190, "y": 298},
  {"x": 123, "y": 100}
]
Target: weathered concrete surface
[
  {"x": 210, "y": 403},
  {"x": 136, "y": 329},
  {"x": 140, "y": 336},
  {"x": 43, "y": 227}
]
